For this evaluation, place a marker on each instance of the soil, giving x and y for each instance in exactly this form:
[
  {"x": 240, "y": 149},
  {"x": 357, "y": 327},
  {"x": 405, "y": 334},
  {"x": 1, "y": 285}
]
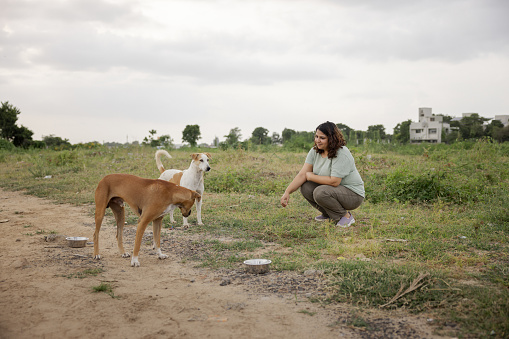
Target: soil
[{"x": 45, "y": 291}]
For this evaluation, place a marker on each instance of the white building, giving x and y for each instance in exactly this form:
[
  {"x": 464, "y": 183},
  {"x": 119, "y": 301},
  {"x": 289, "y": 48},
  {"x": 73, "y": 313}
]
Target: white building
[
  {"x": 429, "y": 128},
  {"x": 504, "y": 119}
]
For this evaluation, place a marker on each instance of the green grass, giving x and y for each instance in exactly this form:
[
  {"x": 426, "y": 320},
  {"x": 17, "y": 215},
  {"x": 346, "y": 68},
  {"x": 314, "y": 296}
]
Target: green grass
[
  {"x": 106, "y": 288},
  {"x": 439, "y": 212}
]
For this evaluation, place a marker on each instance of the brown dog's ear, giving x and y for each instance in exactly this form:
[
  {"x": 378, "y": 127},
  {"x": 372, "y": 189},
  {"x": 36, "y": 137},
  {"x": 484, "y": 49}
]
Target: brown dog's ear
[
  {"x": 195, "y": 156},
  {"x": 208, "y": 155},
  {"x": 196, "y": 195}
]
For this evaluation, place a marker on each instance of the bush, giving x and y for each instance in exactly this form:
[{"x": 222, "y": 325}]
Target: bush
[{"x": 6, "y": 145}]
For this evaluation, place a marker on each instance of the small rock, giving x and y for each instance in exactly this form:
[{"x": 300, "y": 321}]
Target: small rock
[
  {"x": 54, "y": 238},
  {"x": 226, "y": 281},
  {"x": 21, "y": 263},
  {"x": 235, "y": 306}
]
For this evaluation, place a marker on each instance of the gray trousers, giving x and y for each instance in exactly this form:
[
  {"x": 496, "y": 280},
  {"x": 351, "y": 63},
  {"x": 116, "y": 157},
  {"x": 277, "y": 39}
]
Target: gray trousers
[{"x": 333, "y": 202}]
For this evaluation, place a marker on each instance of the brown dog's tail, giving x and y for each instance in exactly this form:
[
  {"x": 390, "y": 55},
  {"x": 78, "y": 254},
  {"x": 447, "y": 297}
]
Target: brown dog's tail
[{"x": 159, "y": 164}]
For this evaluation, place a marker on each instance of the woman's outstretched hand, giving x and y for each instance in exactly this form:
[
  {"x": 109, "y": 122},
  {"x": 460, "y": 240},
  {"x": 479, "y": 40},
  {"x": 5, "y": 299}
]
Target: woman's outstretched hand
[{"x": 284, "y": 199}]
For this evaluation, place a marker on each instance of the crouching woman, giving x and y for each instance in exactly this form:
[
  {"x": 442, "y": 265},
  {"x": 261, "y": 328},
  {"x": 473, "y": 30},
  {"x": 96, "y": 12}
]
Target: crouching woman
[{"x": 329, "y": 179}]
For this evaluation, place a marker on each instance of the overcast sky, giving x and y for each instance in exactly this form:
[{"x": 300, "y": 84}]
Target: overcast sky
[{"x": 96, "y": 70}]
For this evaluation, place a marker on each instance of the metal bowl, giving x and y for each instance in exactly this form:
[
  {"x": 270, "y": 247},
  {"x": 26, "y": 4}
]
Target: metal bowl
[
  {"x": 257, "y": 266},
  {"x": 76, "y": 241}
]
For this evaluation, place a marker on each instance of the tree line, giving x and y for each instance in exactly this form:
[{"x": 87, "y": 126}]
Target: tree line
[{"x": 471, "y": 127}]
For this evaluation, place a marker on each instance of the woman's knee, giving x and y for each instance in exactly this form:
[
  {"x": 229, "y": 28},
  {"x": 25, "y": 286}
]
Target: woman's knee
[
  {"x": 307, "y": 189},
  {"x": 321, "y": 193}
]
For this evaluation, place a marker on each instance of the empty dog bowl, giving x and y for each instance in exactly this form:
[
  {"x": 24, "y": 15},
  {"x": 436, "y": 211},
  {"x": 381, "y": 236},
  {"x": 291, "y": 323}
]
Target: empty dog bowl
[
  {"x": 257, "y": 266},
  {"x": 76, "y": 241}
]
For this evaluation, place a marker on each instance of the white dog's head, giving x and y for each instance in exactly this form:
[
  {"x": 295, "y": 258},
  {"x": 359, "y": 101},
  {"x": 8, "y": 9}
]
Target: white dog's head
[{"x": 201, "y": 160}]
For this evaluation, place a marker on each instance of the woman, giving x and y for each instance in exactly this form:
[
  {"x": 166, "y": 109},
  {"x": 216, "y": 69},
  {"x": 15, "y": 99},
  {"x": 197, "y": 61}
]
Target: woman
[{"x": 329, "y": 179}]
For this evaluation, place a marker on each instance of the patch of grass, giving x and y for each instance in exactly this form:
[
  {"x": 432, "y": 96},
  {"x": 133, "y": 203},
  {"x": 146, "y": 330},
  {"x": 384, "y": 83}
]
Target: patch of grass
[
  {"x": 358, "y": 321},
  {"x": 106, "y": 288},
  {"x": 307, "y": 312}
]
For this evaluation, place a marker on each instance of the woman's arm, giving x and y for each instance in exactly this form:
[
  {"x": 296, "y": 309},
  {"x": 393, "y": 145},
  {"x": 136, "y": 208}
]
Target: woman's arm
[
  {"x": 297, "y": 182},
  {"x": 323, "y": 180}
]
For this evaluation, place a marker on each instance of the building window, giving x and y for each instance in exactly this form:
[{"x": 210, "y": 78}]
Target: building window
[
  {"x": 431, "y": 119},
  {"x": 432, "y": 131},
  {"x": 418, "y": 130}
]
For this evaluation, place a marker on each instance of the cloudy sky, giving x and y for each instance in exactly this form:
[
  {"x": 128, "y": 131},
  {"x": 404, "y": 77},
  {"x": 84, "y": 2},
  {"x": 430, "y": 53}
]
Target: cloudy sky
[{"x": 111, "y": 70}]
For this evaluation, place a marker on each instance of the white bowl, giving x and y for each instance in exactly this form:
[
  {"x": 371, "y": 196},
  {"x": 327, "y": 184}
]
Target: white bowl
[
  {"x": 257, "y": 266},
  {"x": 76, "y": 241}
]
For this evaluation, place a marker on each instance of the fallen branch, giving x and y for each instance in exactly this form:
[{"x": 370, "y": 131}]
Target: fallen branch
[{"x": 413, "y": 286}]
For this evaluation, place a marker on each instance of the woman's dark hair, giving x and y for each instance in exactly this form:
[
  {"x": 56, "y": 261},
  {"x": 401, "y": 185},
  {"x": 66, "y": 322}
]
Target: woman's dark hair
[{"x": 334, "y": 137}]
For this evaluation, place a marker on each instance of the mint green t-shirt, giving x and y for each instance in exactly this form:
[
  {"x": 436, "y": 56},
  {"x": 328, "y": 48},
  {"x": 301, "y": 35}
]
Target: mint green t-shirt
[{"x": 342, "y": 166}]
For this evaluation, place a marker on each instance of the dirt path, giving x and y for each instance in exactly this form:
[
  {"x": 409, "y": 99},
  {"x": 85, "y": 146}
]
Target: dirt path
[{"x": 41, "y": 296}]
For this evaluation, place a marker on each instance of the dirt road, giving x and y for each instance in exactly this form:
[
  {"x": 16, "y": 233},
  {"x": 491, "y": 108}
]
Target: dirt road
[{"x": 44, "y": 293}]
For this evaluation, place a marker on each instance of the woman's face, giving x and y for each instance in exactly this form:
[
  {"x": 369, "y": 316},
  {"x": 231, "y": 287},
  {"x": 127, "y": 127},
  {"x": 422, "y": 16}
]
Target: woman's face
[{"x": 321, "y": 140}]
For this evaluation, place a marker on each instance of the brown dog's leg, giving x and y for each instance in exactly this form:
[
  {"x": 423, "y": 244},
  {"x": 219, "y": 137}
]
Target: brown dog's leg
[
  {"x": 100, "y": 209},
  {"x": 117, "y": 207},
  {"x": 157, "y": 225},
  {"x": 140, "y": 230}
]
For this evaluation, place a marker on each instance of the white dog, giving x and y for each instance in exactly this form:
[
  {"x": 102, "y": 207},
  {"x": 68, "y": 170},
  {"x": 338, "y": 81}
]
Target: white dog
[{"x": 191, "y": 178}]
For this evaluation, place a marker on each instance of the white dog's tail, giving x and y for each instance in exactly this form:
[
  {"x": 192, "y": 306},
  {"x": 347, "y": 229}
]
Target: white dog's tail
[{"x": 159, "y": 164}]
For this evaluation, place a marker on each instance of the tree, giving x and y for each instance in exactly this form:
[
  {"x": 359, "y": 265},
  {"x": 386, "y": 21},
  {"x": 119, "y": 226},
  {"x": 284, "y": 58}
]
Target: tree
[
  {"x": 299, "y": 140},
  {"x": 501, "y": 134},
  {"x": 191, "y": 134},
  {"x": 352, "y": 137},
  {"x": 152, "y": 141},
  {"x": 8, "y": 118},
  {"x": 451, "y": 137},
  {"x": 344, "y": 129},
  {"x": 471, "y": 127},
  {"x": 402, "y": 132},
  {"x": 446, "y": 118},
  {"x": 52, "y": 141},
  {"x": 288, "y": 134},
  {"x": 20, "y": 136},
  {"x": 233, "y": 138},
  {"x": 492, "y": 128},
  {"x": 166, "y": 141},
  {"x": 259, "y": 136},
  {"x": 376, "y": 132}
]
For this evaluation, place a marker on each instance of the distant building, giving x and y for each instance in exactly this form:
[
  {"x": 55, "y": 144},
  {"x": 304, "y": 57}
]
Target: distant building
[
  {"x": 504, "y": 119},
  {"x": 429, "y": 128}
]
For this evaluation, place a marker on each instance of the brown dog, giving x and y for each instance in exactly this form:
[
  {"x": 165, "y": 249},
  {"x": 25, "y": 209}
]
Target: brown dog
[{"x": 150, "y": 199}]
